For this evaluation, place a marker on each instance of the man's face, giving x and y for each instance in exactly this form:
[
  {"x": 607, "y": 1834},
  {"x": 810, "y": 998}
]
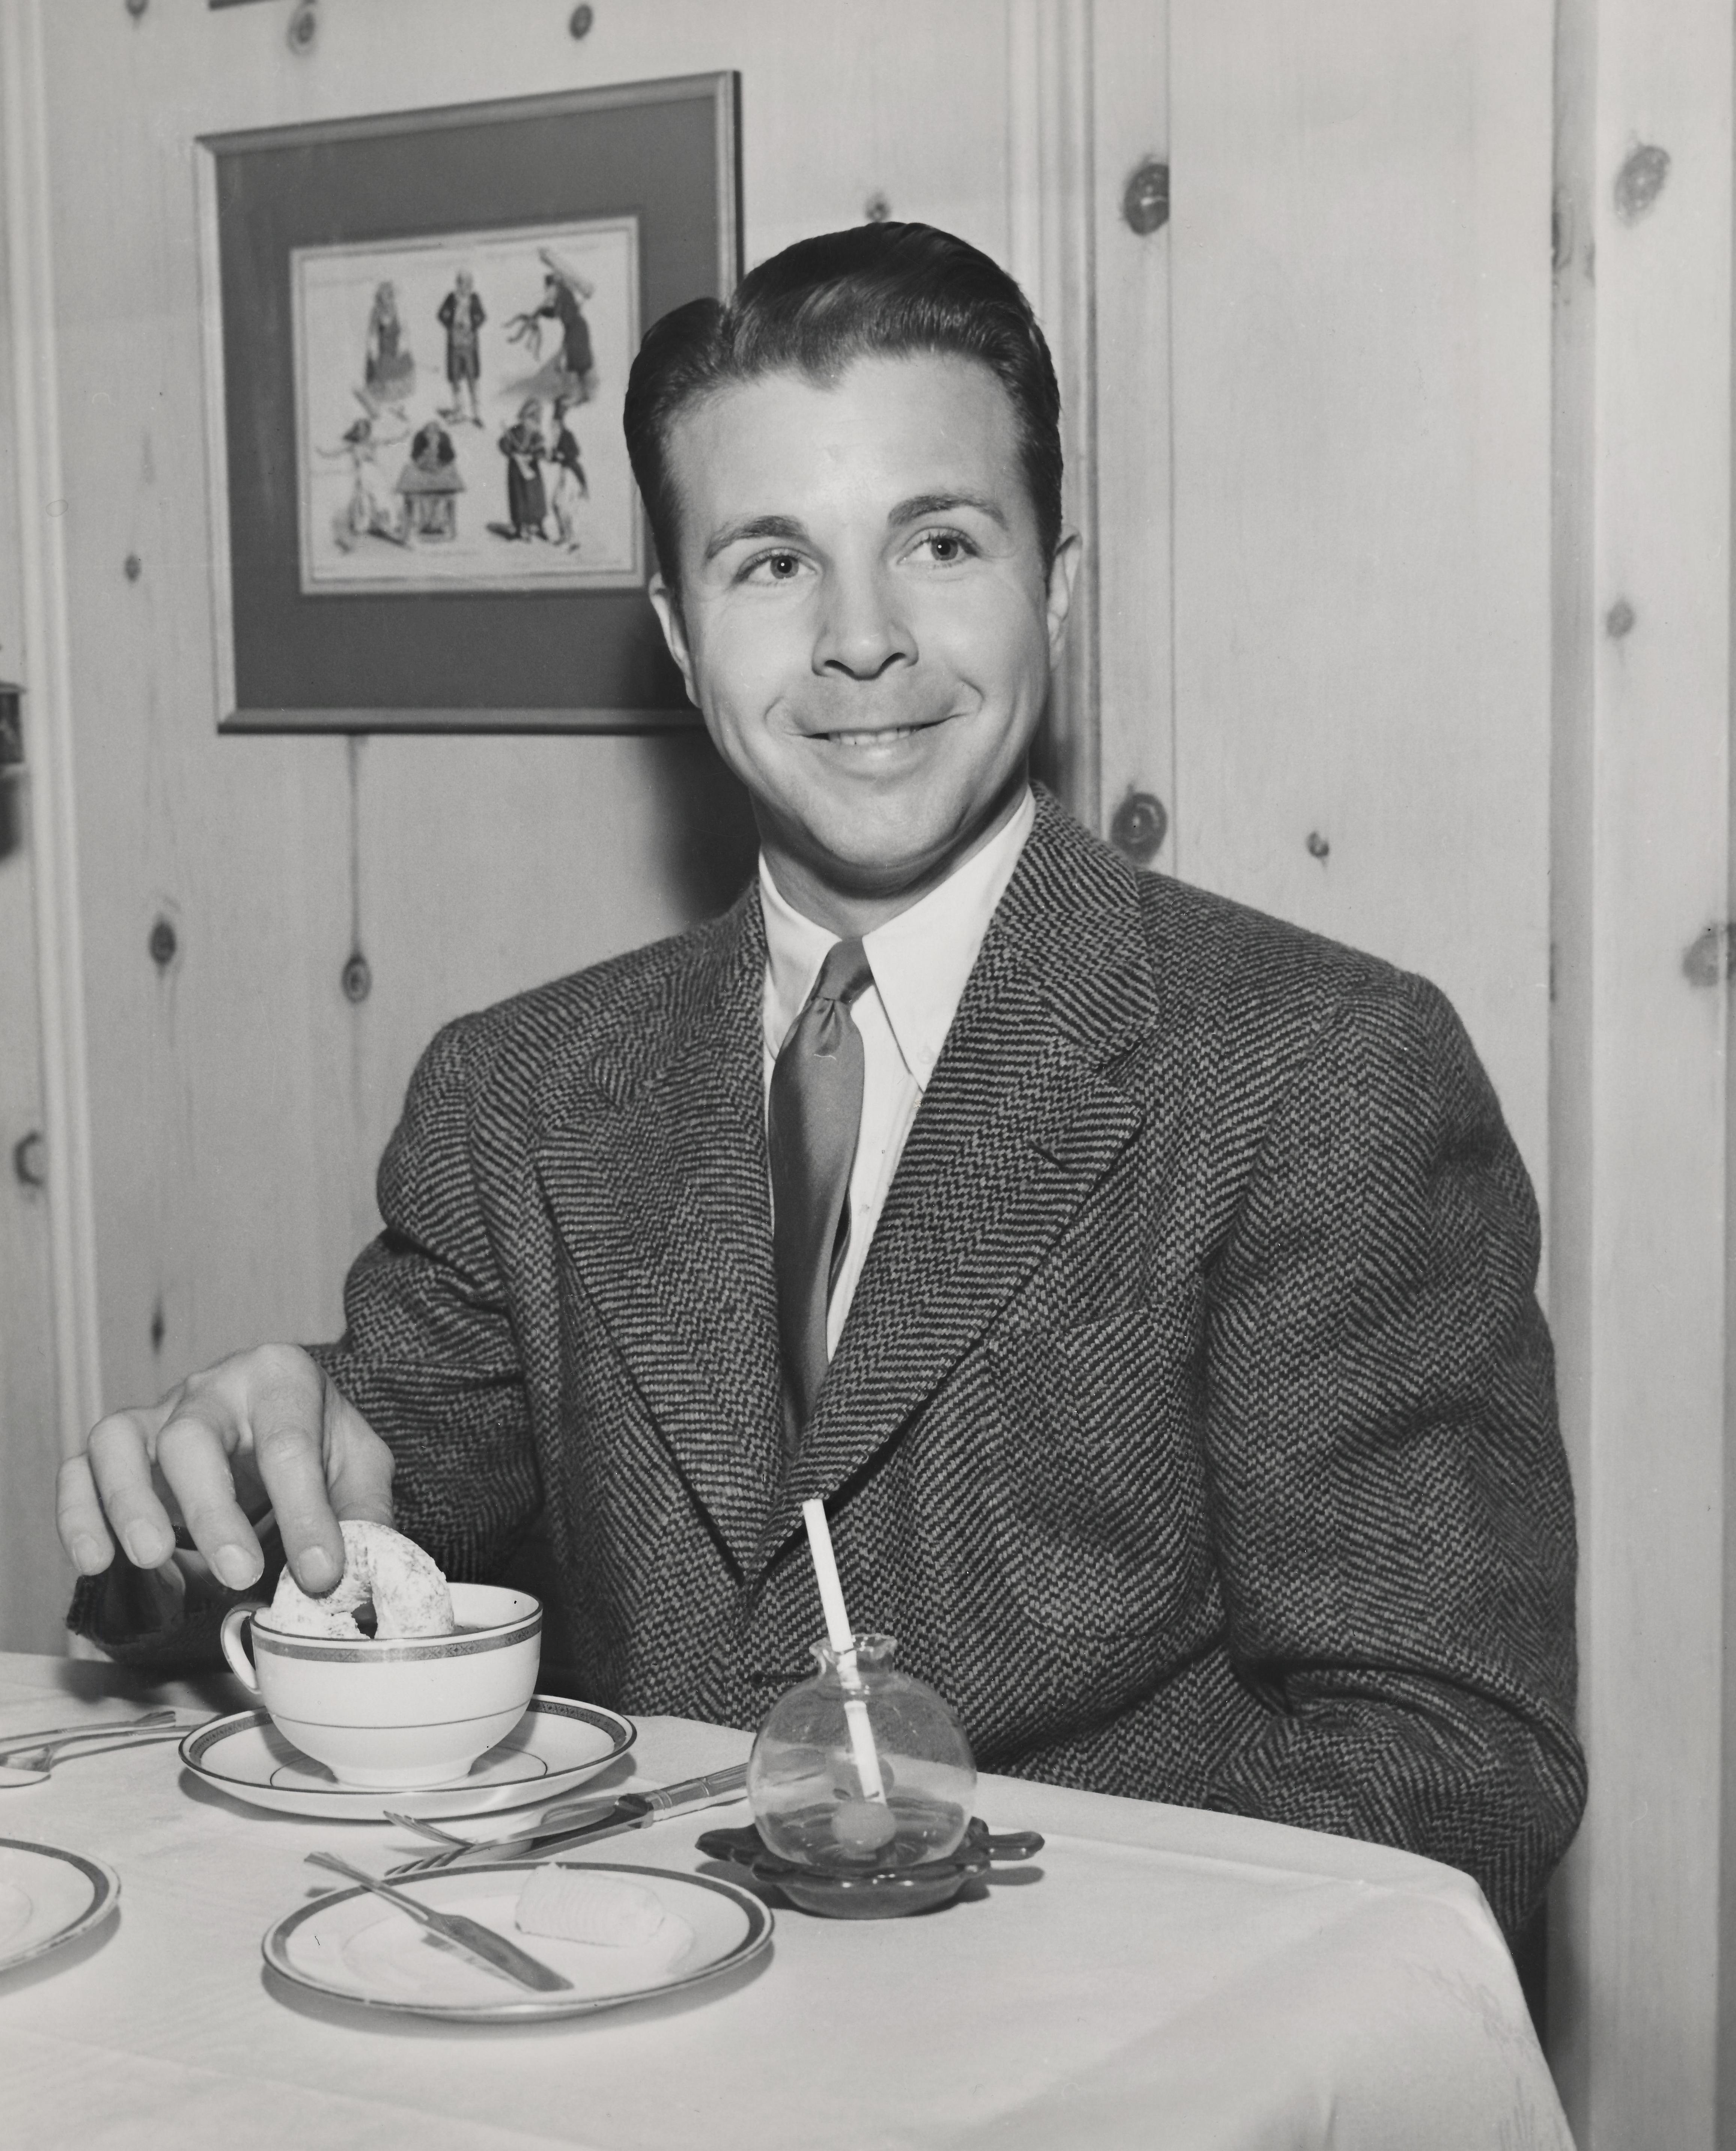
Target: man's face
[{"x": 865, "y": 618}]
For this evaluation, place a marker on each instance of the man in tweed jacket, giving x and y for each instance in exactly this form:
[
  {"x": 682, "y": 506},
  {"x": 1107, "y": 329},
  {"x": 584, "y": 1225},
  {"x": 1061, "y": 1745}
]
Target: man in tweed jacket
[{"x": 1192, "y": 1425}]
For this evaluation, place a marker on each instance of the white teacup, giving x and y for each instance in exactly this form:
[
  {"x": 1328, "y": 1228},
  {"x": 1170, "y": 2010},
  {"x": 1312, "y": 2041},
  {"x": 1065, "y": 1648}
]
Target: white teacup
[{"x": 403, "y": 1713}]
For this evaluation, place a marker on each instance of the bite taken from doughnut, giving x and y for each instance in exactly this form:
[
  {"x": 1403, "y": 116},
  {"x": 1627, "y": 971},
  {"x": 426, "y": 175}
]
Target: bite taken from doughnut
[{"x": 382, "y": 1567}]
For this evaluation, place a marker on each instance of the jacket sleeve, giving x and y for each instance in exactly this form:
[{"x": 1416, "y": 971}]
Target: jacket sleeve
[
  {"x": 1394, "y": 1519},
  {"x": 430, "y": 1354}
]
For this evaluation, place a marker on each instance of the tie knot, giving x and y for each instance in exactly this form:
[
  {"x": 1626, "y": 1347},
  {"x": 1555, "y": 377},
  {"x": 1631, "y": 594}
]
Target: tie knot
[{"x": 846, "y": 974}]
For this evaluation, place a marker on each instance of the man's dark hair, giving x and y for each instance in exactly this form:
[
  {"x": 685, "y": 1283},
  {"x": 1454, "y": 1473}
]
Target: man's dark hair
[{"x": 877, "y": 289}]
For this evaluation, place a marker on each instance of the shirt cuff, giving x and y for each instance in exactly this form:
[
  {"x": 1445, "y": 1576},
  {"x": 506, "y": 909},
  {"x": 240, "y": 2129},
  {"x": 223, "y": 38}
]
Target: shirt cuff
[{"x": 164, "y": 1621}]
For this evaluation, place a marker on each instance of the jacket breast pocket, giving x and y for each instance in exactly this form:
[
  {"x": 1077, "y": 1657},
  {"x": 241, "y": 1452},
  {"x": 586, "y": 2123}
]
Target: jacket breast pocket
[{"x": 1095, "y": 1474}]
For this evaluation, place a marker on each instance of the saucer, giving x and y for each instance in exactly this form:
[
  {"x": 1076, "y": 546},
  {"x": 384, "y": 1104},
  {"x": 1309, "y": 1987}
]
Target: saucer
[
  {"x": 48, "y": 1897},
  {"x": 351, "y": 1946},
  {"x": 555, "y": 1746}
]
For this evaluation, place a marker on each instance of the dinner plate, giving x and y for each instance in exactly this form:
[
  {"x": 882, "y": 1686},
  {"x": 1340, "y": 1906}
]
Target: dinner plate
[
  {"x": 556, "y": 1745},
  {"x": 48, "y": 1897},
  {"x": 358, "y": 1948}
]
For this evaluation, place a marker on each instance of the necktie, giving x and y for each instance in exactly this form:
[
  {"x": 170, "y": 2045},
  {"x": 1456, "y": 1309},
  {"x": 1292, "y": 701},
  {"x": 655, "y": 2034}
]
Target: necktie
[{"x": 815, "y": 1112}]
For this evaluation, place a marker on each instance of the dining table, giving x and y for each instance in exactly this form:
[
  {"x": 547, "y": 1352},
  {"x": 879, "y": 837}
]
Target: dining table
[{"x": 1156, "y": 1977}]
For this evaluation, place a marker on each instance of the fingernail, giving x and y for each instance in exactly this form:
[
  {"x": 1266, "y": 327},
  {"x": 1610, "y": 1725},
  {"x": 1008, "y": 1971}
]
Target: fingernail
[
  {"x": 90, "y": 1556},
  {"x": 143, "y": 1548},
  {"x": 318, "y": 1571},
  {"x": 236, "y": 1566}
]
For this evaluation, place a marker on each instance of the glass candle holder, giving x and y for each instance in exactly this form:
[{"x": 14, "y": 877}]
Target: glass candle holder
[{"x": 810, "y": 1775}]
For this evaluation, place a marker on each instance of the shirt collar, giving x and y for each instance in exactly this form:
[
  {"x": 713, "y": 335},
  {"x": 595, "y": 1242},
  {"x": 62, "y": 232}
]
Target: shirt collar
[{"x": 922, "y": 960}]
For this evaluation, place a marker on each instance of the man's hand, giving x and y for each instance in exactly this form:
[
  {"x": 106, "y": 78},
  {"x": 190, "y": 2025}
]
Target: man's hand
[{"x": 262, "y": 1429}]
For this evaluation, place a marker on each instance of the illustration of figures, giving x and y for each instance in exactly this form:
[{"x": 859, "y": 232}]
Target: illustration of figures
[
  {"x": 525, "y": 450},
  {"x": 369, "y": 511},
  {"x": 462, "y": 316},
  {"x": 429, "y": 483},
  {"x": 563, "y": 292},
  {"x": 389, "y": 370},
  {"x": 571, "y": 485},
  {"x": 473, "y": 429}
]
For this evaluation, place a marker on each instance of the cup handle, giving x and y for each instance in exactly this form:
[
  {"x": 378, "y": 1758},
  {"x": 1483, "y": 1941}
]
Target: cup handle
[{"x": 235, "y": 1649}]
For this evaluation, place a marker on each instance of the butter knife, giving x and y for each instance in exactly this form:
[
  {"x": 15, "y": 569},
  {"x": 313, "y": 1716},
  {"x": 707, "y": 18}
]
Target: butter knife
[
  {"x": 492, "y": 1951},
  {"x": 631, "y": 1811}
]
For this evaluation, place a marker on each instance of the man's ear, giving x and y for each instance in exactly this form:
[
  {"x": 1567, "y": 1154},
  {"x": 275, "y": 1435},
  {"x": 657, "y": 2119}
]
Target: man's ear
[
  {"x": 1064, "y": 571},
  {"x": 667, "y": 605}
]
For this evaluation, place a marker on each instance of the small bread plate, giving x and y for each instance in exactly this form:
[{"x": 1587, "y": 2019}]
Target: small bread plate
[
  {"x": 49, "y": 1898},
  {"x": 357, "y": 1948},
  {"x": 555, "y": 1746}
]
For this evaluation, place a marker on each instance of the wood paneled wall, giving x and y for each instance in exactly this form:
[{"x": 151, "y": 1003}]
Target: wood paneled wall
[
  {"x": 1646, "y": 2000},
  {"x": 238, "y": 1102}
]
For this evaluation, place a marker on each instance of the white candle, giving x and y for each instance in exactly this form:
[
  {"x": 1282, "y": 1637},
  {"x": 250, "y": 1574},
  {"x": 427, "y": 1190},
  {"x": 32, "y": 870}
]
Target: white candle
[{"x": 842, "y": 1638}]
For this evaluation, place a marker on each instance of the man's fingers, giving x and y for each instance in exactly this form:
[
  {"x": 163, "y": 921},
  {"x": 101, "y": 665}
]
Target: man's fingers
[
  {"x": 358, "y": 1464},
  {"x": 268, "y": 1415},
  {"x": 193, "y": 1459},
  {"x": 120, "y": 1470},
  {"x": 78, "y": 1516},
  {"x": 287, "y": 1411}
]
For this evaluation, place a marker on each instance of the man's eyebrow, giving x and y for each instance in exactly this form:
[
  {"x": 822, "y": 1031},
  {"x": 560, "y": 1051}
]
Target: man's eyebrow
[
  {"x": 943, "y": 503},
  {"x": 753, "y": 526}
]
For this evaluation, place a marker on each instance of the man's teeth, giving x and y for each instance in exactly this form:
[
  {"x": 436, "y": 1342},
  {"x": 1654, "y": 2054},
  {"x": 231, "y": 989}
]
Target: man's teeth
[{"x": 885, "y": 733}]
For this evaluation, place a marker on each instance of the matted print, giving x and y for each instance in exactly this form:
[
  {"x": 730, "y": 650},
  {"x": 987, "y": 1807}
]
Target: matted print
[{"x": 458, "y": 411}]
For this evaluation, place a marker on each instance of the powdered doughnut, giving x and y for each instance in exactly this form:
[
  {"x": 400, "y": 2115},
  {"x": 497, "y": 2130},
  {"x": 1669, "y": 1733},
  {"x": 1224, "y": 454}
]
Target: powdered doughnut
[{"x": 407, "y": 1590}]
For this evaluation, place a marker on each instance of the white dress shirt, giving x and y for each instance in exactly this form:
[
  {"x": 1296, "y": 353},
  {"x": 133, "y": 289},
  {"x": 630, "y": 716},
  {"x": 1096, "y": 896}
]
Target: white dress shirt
[{"x": 921, "y": 961}]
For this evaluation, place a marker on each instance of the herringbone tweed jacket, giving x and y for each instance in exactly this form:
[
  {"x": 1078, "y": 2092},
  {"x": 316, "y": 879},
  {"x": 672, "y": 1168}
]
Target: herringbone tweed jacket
[{"x": 1193, "y": 1427}]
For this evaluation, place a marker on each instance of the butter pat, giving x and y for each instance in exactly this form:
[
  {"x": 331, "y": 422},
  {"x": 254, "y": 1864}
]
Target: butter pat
[{"x": 572, "y": 1907}]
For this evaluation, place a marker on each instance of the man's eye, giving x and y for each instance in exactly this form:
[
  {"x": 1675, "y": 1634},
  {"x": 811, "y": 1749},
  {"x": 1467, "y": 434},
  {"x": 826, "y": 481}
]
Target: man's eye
[
  {"x": 945, "y": 547},
  {"x": 773, "y": 568}
]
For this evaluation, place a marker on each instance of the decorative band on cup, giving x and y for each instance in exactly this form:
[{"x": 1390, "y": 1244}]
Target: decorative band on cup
[{"x": 392, "y": 1649}]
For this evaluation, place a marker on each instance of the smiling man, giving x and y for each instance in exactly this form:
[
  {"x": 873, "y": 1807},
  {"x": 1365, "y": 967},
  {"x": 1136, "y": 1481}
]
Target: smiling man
[
  {"x": 872, "y": 652},
  {"x": 1145, "y": 1285}
]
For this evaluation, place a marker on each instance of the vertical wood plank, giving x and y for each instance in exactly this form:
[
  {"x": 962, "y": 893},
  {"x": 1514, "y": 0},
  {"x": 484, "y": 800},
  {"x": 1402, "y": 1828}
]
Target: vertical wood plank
[
  {"x": 1136, "y": 750},
  {"x": 1052, "y": 251},
  {"x": 1643, "y": 821},
  {"x": 33, "y": 422},
  {"x": 1361, "y": 413},
  {"x": 1572, "y": 893},
  {"x": 33, "y": 1576}
]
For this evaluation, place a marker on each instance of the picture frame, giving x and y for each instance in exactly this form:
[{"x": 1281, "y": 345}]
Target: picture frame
[{"x": 418, "y": 329}]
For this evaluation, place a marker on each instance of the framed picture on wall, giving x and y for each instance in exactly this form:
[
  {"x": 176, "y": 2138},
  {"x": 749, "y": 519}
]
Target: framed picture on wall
[{"x": 418, "y": 329}]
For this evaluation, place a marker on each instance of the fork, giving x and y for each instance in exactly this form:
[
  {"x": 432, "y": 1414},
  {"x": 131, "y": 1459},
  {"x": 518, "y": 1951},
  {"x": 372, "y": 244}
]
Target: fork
[
  {"x": 31, "y": 1766},
  {"x": 571, "y": 1823},
  {"x": 13, "y": 1743},
  {"x": 448, "y": 1848}
]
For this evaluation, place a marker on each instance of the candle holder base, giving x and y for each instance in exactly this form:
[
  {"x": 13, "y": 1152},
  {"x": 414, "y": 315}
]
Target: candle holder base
[{"x": 870, "y": 1893}]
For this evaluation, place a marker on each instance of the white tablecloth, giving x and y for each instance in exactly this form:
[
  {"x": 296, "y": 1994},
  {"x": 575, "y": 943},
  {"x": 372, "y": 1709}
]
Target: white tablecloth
[{"x": 1173, "y": 1979}]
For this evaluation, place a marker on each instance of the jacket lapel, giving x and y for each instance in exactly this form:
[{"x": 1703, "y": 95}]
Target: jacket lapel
[
  {"x": 1018, "y": 1125},
  {"x": 655, "y": 1174}
]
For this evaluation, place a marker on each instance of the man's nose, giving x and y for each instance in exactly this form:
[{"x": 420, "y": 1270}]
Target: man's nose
[{"x": 862, "y": 627}]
